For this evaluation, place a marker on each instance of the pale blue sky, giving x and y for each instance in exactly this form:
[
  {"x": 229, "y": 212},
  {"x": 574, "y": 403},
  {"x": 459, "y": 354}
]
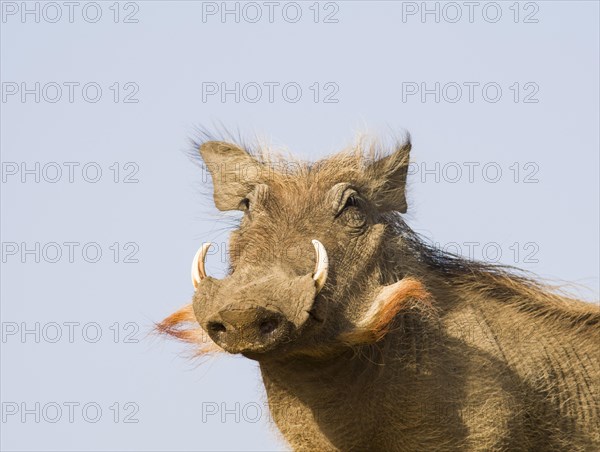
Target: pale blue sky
[{"x": 549, "y": 226}]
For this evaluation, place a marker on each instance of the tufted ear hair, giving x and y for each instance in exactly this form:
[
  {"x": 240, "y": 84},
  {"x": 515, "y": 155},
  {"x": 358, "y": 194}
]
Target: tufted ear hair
[
  {"x": 233, "y": 170},
  {"x": 387, "y": 179}
]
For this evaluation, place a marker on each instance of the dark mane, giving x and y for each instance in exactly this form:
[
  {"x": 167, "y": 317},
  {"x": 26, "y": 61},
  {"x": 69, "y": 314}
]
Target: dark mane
[{"x": 507, "y": 283}]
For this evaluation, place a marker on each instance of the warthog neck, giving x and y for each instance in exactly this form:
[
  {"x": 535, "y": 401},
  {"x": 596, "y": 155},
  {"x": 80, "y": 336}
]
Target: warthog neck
[{"x": 346, "y": 400}]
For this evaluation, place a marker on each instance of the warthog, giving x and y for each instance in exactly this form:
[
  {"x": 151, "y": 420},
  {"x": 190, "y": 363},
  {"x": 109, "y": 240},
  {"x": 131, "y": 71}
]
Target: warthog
[{"x": 370, "y": 338}]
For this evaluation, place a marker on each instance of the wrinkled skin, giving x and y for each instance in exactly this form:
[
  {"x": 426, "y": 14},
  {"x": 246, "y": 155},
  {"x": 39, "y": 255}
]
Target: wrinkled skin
[{"x": 405, "y": 347}]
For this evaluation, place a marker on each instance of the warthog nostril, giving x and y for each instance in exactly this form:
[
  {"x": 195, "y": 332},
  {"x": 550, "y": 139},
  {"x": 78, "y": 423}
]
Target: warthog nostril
[
  {"x": 268, "y": 326},
  {"x": 216, "y": 327}
]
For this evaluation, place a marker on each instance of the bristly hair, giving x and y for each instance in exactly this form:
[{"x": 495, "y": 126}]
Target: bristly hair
[
  {"x": 365, "y": 149},
  {"x": 201, "y": 134}
]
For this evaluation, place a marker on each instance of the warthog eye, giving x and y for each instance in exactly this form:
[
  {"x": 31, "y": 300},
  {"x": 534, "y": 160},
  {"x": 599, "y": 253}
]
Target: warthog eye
[
  {"x": 351, "y": 202},
  {"x": 352, "y": 213},
  {"x": 245, "y": 205}
]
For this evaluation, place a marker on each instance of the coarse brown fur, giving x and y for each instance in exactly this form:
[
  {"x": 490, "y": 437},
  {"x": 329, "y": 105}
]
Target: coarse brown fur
[{"x": 406, "y": 347}]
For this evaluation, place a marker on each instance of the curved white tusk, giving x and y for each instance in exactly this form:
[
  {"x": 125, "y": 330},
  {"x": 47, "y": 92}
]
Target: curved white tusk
[
  {"x": 322, "y": 266},
  {"x": 198, "y": 271}
]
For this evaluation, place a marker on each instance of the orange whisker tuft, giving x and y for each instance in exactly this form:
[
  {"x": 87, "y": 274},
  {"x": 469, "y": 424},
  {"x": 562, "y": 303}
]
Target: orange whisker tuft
[
  {"x": 183, "y": 325},
  {"x": 406, "y": 293}
]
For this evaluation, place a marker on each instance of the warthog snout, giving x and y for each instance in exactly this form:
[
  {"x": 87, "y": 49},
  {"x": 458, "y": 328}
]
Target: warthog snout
[
  {"x": 256, "y": 314},
  {"x": 239, "y": 327}
]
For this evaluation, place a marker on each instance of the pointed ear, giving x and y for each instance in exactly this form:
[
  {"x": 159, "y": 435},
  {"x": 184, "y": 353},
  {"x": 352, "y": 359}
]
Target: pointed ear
[
  {"x": 234, "y": 172},
  {"x": 387, "y": 179}
]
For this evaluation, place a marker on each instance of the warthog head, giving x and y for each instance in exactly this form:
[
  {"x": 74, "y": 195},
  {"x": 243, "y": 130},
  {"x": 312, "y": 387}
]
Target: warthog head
[{"x": 308, "y": 263}]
